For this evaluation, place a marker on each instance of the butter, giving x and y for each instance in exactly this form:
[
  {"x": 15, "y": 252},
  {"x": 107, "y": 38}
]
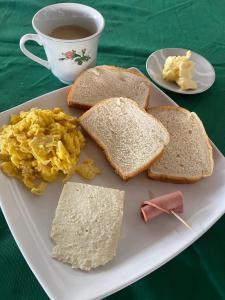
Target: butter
[{"x": 179, "y": 69}]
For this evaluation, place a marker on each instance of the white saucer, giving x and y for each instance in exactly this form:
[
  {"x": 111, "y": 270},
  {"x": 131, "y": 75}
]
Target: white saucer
[{"x": 203, "y": 72}]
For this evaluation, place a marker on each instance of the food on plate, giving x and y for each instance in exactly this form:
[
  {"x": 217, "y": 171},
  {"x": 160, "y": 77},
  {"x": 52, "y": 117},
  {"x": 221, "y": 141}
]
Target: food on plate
[
  {"x": 162, "y": 204},
  {"x": 188, "y": 157},
  {"x": 87, "y": 224},
  {"x": 179, "y": 69},
  {"x": 88, "y": 169},
  {"x": 130, "y": 137},
  {"x": 103, "y": 82},
  {"x": 38, "y": 145}
]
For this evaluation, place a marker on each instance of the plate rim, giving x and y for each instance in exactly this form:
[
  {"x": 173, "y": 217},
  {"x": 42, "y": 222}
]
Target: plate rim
[
  {"x": 124, "y": 283},
  {"x": 179, "y": 91}
]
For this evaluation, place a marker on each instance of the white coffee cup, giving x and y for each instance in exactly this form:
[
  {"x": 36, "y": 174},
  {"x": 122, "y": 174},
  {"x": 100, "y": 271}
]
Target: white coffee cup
[{"x": 65, "y": 58}]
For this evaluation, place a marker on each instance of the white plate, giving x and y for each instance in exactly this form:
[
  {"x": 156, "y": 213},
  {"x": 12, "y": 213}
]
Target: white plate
[
  {"x": 203, "y": 72},
  {"x": 142, "y": 248}
]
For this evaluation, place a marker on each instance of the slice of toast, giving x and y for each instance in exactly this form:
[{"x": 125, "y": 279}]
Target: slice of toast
[
  {"x": 130, "y": 137},
  {"x": 103, "y": 82},
  {"x": 188, "y": 156}
]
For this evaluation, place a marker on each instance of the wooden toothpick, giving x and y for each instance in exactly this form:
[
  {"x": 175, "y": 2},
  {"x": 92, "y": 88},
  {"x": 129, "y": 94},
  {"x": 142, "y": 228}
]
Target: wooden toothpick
[
  {"x": 152, "y": 195},
  {"x": 180, "y": 219}
]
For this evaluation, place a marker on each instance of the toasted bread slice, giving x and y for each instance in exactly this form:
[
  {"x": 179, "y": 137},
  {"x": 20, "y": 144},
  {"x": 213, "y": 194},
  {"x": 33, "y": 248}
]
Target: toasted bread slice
[
  {"x": 188, "y": 156},
  {"x": 103, "y": 82},
  {"x": 130, "y": 137}
]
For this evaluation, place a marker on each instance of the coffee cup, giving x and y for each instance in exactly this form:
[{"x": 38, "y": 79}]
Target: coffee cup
[{"x": 66, "y": 58}]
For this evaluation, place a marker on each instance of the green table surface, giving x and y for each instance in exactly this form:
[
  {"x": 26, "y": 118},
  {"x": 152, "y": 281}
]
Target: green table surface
[{"x": 134, "y": 29}]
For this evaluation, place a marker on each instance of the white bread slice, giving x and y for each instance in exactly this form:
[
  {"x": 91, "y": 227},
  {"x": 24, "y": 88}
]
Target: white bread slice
[
  {"x": 87, "y": 224},
  {"x": 103, "y": 82},
  {"x": 188, "y": 156},
  {"x": 130, "y": 137}
]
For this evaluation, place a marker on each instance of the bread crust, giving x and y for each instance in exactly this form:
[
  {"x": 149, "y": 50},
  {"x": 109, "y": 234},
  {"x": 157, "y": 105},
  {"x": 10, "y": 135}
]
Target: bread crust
[
  {"x": 176, "y": 179},
  {"x": 173, "y": 179},
  {"x": 72, "y": 102},
  {"x": 117, "y": 169}
]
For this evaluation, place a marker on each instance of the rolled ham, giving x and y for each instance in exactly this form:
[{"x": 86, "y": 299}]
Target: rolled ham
[{"x": 162, "y": 204}]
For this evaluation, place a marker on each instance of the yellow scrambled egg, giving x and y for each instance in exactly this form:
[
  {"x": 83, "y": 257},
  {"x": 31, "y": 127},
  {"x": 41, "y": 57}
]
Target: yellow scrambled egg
[
  {"x": 38, "y": 145},
  {"x": 88, "y": 169}
]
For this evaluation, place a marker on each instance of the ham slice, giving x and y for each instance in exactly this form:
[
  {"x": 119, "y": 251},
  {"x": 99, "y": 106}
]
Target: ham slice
[{"x": 162, "y": 204}]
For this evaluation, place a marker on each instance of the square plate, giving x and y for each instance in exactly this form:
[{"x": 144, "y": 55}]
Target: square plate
[{"x": 142, "y": 247}]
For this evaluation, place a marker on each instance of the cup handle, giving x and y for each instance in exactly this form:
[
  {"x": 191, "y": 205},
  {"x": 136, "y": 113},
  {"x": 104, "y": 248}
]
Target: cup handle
[{"x": 35, "y": 38}]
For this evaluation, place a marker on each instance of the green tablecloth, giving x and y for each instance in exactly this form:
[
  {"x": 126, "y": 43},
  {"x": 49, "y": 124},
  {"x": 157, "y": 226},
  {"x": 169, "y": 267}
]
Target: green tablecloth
[{"x": 134, "y": 29}]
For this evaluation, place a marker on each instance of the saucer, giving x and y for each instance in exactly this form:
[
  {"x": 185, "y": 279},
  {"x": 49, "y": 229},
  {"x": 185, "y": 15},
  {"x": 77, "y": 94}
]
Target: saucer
[{"x": 203, "y": 72}]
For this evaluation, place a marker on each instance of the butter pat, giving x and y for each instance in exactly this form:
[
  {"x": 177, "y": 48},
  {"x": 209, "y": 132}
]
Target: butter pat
[{"x": 179, "y": 69}]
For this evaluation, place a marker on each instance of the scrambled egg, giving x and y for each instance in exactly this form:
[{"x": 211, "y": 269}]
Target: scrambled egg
[
  {"x": 38, "y": 145},
  {"x": 87, "y": 169},
  {"x": 178, "y": 69}
]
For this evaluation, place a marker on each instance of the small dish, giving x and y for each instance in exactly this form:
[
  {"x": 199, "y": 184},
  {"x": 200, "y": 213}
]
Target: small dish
[{"x": 203, "y": 72}]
